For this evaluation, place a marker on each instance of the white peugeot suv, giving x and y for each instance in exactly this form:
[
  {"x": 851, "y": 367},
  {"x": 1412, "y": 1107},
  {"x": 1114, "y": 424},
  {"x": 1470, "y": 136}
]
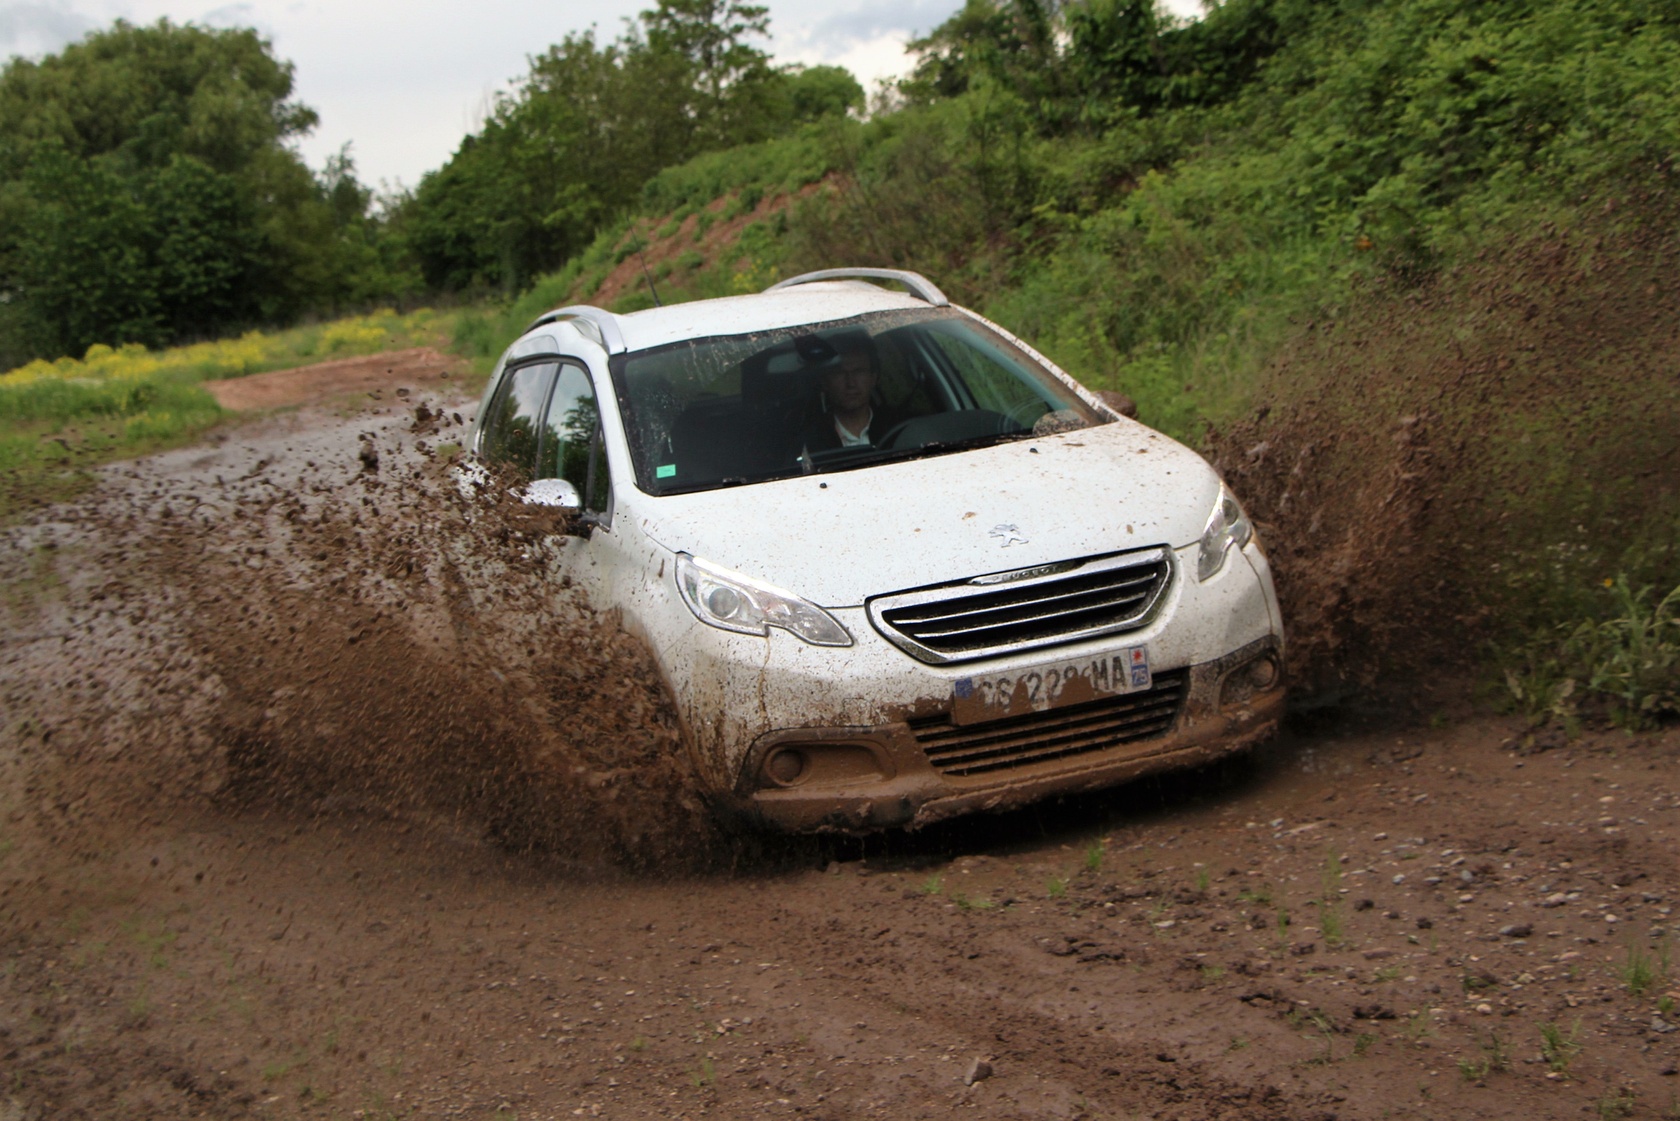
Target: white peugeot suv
[{"x": 893, "y": 564}]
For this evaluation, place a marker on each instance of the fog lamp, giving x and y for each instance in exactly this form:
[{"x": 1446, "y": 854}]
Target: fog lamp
[
  {"x": 1245, "y": 681},
  {"x": 787, "y": 766}
]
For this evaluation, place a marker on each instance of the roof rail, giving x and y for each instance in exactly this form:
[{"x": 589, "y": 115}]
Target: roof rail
[
  {"x": 920, "y": 286},
  {"x": 593, "y": 323}
]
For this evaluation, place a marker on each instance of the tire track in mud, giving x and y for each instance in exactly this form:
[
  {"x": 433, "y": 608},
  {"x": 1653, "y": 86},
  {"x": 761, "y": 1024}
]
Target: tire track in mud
[{"x": 314, "y": 614}]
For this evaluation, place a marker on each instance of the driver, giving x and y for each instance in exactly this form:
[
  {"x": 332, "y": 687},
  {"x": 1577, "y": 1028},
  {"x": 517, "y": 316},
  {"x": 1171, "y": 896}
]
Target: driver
[{"x": 850, "y": 415}]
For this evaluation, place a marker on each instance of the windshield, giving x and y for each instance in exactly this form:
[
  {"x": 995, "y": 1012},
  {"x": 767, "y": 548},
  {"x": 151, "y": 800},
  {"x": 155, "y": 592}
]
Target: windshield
[{"x": 735, "y": 409}]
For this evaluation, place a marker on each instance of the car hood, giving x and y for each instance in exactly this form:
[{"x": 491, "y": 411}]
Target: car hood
[{"x": 839, "y": 538}]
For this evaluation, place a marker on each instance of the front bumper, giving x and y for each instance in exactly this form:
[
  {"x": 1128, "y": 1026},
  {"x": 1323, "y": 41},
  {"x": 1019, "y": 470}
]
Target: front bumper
[
  {"x": 870, "y": 716},
  {"x": 860, "y": 779}
]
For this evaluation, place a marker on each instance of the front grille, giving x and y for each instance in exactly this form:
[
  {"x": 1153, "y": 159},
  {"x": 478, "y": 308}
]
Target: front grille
[
  {"x": 1009, "y": 612},
  {"x": 1038, "y": 737}
]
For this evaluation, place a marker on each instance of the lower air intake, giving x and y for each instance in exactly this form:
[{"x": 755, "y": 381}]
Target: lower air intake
[{"x": 1058, "y": 733}]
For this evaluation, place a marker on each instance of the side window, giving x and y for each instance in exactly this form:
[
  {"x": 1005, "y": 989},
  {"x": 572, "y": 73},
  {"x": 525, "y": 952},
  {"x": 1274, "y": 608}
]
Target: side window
[
  {"x": 511, "y": 427},
  {"x": 571, "y": 443}
]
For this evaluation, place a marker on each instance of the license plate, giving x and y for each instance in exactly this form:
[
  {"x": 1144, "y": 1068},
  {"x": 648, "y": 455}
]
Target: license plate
[{"x": 978, "y": 699}]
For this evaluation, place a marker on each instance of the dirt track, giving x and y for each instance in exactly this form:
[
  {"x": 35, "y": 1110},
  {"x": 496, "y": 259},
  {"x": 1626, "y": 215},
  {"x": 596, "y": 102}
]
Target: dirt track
[{"x": 301, "y": 821}]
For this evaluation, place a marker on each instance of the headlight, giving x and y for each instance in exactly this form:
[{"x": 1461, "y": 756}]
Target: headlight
[
  {"x": 1227, "y": 526},
  {"x": 732, "y": 602}
]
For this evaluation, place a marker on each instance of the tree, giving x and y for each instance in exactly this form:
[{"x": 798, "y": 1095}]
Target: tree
[
  {"x": 591, "y": 123},
  {"x": 148, "y": 193},
  {"x": 711, "y": 36}
]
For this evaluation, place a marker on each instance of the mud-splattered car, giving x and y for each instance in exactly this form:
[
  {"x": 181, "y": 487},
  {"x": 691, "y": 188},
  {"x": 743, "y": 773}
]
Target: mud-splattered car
[{"x": 893, "y": 564}]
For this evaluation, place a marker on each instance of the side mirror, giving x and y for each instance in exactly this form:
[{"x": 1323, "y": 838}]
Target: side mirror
[
  {"x": 1119, "y": 402},
  {"x": 550, "y": 492}
]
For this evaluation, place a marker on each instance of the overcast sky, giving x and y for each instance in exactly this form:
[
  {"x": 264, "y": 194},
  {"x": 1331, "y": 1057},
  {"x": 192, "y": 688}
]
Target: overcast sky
[{"x": 402, "y": 82}]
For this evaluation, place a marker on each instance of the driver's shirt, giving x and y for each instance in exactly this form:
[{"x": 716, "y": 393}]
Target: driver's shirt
[{"x": 847, "y": 440}]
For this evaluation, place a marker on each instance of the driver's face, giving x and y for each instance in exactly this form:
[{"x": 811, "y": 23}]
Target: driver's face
[{"x": 849, "y": 385}]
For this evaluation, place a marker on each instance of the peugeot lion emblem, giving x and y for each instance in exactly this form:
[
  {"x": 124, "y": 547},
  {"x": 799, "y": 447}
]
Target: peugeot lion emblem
[{"x": 1008, "y": 535}]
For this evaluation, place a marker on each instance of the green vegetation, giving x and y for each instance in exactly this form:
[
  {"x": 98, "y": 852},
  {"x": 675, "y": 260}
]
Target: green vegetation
[
  {"x": 1329, "y": 902},
  {"x": 1557, "y": 1048},
  {"x": 1330, "y": 924},
  {"x": 591, "y": 124},
  {"x": 58, "y": 419},
  {"x": 1495, "y": 1057},
  {"x": 1641, "y": 971},
  {"x": 149, "y": 194},
  {"x": 1623, "y": 660},
  {"x": 1615, "y": 1105}
]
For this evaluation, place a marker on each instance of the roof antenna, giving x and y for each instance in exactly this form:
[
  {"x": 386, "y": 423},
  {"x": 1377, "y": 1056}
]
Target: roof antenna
[{"x": 640, "y": 256}]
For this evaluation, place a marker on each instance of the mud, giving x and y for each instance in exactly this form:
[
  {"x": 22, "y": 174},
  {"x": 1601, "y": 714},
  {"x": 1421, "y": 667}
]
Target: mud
[
  {"x": 1443, "y": 464},
  {"x": 312, "y": 614},
  {"x": 342, "y": 379}
]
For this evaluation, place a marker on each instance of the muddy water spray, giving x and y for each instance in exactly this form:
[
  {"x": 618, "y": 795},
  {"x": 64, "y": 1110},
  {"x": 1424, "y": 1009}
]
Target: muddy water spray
[{"x": 356, "y": 634}]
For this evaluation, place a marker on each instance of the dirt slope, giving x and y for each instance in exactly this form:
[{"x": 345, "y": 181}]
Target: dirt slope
[{"x": 319, "y": 801}]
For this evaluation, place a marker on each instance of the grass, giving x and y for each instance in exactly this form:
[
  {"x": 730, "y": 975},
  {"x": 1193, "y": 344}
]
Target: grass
[
  {"x": 1320, "y": 1023},
  {"x": 1418, "y": 1027},
  {"x": 934, "y": 884},
  {"x": 1203, "y": 879},
  {"x": 1330, "y": 924},
  {"x": 1557, "y": 1048},
  {"x": 60, "y": 419},
  {"x": 1614, "y": 1105},
  {"x": 1624, "y": 660},
  {"x": 972, "y": 903},
  {"x": 1641, "y": 971},
  {"x": 1495, "y": 1057},
  {"x": 1056, "y": 887},
  {"x": 1094, "y": 856},
  {"x": 1330, "y": 876},
  {"x": 704, "y": 1073}
]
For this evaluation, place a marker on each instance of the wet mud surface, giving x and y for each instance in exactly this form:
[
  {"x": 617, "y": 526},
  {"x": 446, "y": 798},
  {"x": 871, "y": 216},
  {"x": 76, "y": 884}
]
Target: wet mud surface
[{"x": 320, "y": 799}]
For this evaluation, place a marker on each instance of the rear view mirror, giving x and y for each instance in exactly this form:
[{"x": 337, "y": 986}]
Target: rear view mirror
[{"x": 551, "y": 492}]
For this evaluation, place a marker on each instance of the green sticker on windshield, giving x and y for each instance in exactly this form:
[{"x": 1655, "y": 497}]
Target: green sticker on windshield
[{"x": 665, "y": 471}]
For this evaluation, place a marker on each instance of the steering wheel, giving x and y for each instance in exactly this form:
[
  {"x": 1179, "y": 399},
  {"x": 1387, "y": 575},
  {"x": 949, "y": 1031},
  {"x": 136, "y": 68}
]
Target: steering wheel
[
  {"x": 1017, "y": 413},
  {"x": 889, "y": 438}
]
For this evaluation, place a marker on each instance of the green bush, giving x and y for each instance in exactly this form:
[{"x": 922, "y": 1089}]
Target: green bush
[{"x": 1625, "y": 662}]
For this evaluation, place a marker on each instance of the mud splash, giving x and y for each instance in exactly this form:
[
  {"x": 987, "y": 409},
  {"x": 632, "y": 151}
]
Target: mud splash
[
  {"x": 1443, "y": 466},
  {"x": 313, "y": 614}
]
